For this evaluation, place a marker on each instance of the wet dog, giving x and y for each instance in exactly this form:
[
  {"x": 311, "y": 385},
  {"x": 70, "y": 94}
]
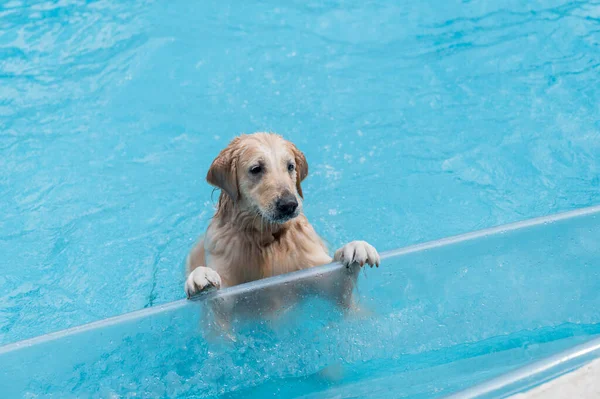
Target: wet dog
[{"x": 259, "y": 229}]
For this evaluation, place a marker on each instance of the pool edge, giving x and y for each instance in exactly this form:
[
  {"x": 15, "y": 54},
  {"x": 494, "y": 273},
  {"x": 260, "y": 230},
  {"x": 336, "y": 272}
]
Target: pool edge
[
  {"x": 535, "y": 374},
  {"x": 298, "y": 275}
]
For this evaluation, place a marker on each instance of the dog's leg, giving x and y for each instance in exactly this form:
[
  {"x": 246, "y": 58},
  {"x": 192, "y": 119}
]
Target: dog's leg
[
  {"x": 353, "y": 255},
  {"x": 218, "y": 318},
  {"x": 196, "y": 257},
  {"x": 199, "y": 277}
]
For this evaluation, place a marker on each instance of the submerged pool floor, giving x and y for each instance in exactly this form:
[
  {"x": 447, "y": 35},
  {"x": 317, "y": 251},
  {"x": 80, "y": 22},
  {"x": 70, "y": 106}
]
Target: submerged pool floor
[
  {"x": 420, "y": 120},
  {"x": 436, "y": 318}
]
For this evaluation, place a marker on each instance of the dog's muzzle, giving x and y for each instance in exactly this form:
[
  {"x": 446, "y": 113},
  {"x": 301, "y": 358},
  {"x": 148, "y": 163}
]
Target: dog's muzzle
[{"x": 286, "y": 207}]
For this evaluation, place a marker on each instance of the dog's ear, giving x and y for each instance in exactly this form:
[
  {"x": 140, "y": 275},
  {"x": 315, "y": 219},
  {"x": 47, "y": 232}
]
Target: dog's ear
[
  {"x": 301, "y": 168},
  {"x": 223, "y": 171}
]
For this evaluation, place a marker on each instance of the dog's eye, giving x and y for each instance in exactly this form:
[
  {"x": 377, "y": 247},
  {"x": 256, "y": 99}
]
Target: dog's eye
[
  {"x": 255, "y": 170},
  {"x": 291, "y": 167}
]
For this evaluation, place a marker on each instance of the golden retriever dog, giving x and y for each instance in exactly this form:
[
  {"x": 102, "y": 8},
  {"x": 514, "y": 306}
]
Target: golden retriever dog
[{"x": 259, "y": 229}]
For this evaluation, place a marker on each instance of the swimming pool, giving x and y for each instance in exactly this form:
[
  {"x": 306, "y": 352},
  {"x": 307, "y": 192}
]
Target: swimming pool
[
  {"x": 419, "y": 121},
  {"x": 443, "y": 117}
]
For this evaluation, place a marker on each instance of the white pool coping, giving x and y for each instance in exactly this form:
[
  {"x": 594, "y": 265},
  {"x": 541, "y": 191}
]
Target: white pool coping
[
  {"x": 557, "y": 373},
  {"x": 583, "y": 383}
]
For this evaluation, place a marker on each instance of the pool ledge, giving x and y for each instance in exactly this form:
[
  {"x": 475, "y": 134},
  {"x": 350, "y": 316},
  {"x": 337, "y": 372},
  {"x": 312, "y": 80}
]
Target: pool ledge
[
  {"x": 573, "y": 373},
  {"x": 581, "y": 383}
]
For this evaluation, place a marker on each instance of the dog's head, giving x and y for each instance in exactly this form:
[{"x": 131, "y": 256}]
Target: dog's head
[{"x": 261, "y": 172}]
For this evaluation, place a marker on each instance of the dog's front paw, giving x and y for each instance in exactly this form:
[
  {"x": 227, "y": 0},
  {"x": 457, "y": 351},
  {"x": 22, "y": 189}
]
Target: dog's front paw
[
  {"x": 360, "y": 252},
  {"x": 200, "y": 279}
]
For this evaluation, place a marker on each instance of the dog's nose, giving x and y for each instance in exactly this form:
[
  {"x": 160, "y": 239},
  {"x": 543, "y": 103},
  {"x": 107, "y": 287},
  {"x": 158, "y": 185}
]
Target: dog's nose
[{"x": 287, "y": 205}]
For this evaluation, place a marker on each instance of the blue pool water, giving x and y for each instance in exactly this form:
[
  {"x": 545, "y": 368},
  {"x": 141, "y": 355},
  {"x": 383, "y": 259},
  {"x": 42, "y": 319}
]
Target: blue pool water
[{"x": 419, "y": 120}]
